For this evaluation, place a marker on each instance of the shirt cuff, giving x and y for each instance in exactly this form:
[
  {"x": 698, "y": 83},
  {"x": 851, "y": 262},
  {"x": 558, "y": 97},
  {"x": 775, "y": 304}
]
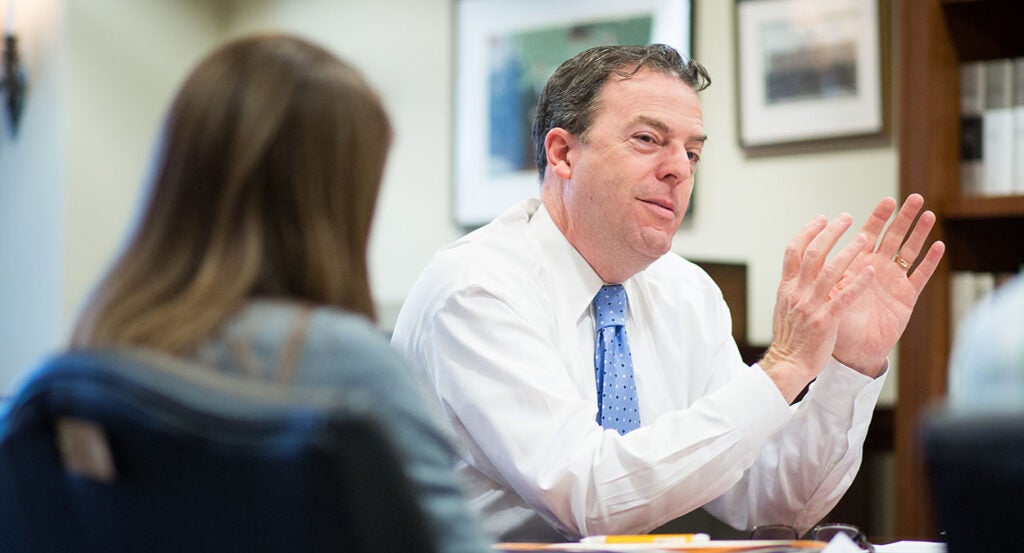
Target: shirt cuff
[{"x": 839, "y": 387}]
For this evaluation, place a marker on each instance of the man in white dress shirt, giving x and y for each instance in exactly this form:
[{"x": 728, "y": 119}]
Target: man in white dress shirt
[{"x": 502, "y": 324}]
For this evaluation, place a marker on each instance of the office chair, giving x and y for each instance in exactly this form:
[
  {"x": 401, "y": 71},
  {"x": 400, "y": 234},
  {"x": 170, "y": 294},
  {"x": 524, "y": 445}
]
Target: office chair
[
  {"x": 975, "y": 467},
  {"x": 103, "y": 451}
]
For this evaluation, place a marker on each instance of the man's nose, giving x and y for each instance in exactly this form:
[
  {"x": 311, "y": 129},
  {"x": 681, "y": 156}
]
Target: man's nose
[{"x": 675, "y": 167}]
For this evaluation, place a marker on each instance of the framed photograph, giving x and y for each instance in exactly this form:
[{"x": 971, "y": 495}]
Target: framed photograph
[
  {"x": 507, "y": 49},
  {"x": 808, "y": 70}
]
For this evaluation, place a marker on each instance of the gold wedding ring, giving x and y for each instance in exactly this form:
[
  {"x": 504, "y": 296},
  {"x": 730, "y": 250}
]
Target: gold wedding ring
[{"x": 901, "y": 262}]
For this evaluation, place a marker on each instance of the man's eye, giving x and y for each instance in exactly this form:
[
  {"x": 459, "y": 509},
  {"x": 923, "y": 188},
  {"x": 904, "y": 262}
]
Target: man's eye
[
  {"x": 694, "y": 156},
  {"x": 646, "y": 138}
]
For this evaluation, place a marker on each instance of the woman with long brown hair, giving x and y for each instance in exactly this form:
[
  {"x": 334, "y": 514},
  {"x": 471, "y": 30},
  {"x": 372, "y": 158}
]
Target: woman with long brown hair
[{"x": 250, "y": 254}]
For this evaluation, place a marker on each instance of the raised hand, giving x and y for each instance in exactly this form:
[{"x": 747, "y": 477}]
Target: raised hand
[
  {"x": 809, "y": 302},
  {"x": 871, "y": 325}
]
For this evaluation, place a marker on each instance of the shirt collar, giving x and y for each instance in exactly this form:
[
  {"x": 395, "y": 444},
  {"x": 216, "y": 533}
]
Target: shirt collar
[{"x": 576, "y": 282}]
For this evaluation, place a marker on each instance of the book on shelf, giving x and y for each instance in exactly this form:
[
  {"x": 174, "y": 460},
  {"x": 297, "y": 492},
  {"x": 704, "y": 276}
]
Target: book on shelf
[
  {"x": 997, "y": 128},
  {"x": 992, "y": 127},
  {"x": 1018, "y": 126},
  {"x": 972, "y": 104}
]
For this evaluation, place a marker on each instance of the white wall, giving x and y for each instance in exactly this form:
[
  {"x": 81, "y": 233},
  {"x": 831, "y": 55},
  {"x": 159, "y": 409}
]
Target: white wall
[
  {"x": 128, "y": 56},
  {"x": 100, "y": 75},
  {"x": 31, "y": 194}
]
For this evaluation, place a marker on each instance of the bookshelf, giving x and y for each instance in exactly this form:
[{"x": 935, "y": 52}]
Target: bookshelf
[{"x": 982, "y": 233}]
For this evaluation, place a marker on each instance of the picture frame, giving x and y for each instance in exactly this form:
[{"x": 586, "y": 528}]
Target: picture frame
[
  {"x": 506, "y": 51},
  {"x": 808, "y": 70}
]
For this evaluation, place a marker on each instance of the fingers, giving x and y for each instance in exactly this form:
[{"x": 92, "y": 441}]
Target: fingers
[
  {"x": 817, "y": 250},
  {"x": 912, "y": 247},
  {"x": 805, "y": 320},
  {"x": 835, "y": 268},
  {"x": 795, "y": 249},
  {"x": 898, "y": 229},
  {"x": 919, "y": 278},
  {"x": 879, "y": 217}
]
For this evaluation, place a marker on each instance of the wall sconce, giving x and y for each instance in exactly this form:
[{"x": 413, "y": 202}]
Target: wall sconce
[{"x": 13, "y": 82}]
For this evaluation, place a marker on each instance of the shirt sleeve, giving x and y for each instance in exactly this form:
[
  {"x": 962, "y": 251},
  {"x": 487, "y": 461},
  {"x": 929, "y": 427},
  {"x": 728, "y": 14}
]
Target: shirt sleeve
[
  {"x": 503, "y": 383},
  {"x": 805, "y": 469}
]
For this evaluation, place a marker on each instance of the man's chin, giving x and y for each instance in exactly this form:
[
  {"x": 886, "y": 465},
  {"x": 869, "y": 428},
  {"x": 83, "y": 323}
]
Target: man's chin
[{"x": 657, "y": 243}]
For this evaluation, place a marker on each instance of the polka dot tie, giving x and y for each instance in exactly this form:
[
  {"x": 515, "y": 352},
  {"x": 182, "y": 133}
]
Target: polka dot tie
[{"x": 613, "y": 364}]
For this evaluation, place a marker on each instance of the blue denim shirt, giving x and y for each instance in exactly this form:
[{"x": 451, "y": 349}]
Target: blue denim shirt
[{"x": 346, "y": 352}]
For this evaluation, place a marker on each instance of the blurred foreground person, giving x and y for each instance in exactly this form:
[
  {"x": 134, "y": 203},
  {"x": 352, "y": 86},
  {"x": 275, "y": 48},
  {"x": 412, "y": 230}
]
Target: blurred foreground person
[{"x": 250, "y": 254}]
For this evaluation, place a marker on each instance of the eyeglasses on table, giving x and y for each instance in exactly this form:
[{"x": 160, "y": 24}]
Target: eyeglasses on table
[{"x": 822, "y": 532}]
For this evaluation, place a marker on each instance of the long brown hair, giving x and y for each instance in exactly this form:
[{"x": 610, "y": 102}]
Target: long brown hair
[{"x": 264, "y": 186}]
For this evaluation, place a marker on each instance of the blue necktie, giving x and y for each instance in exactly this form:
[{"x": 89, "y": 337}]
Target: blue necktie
[{"x": 613, "y": 365}]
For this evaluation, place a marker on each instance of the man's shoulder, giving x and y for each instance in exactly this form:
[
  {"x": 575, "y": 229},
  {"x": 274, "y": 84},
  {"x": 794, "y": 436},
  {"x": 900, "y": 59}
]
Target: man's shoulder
[
  {"x": 498, "y": 260},
  {"x": 499, "y": 254},
  {"x": 496, "y": 242}
]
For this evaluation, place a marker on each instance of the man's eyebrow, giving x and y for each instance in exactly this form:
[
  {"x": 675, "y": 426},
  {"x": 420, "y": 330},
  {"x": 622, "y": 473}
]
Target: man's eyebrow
[
  {"x": 660, "y": 126},
  {"x": 657, "y": 124}
]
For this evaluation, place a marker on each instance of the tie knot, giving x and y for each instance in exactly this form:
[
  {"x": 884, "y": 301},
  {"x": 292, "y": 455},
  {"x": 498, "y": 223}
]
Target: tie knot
[{"x": 610, "y": 306}]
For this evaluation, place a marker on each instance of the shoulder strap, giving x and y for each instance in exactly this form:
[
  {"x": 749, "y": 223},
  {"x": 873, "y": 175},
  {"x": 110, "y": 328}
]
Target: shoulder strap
[{"x": 292, "y": 347}]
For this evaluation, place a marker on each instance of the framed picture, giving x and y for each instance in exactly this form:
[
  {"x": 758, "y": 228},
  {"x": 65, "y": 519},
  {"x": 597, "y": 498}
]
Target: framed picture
[
  {"x": 507, "y": 49},
  {"x": 808, "y": 70}
]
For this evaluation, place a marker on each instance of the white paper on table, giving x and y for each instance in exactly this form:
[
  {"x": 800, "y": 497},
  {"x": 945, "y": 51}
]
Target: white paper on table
[
  {"x": 912, "y": 547},
  {"x": 842, "y": 543}
]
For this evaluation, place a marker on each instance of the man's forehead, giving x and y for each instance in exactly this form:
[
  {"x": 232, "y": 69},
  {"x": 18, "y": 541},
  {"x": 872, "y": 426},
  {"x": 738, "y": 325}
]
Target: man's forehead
[
  {"x": 641, "y": 94},
  {"x": 623, "y": 84}
]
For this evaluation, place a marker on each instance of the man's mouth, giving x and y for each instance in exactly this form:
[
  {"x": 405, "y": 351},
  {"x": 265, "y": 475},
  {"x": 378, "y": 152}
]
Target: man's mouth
[{"x": 662, "y": 205}]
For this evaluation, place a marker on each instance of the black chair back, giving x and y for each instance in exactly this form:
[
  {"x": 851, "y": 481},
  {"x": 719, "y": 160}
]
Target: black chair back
[
  {"x": 105, "y": 452},
  {"x": 976, "y": 469}
]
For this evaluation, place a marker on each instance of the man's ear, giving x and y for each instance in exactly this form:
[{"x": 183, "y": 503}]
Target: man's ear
[{"x": 557, "y": 144}]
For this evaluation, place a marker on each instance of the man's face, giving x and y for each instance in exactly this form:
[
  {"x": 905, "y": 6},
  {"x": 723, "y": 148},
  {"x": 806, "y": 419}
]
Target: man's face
[{"x": 627, "y": 183}]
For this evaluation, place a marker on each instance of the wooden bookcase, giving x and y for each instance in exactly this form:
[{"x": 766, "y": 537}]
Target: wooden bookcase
[{"x": 982, "y": 234}]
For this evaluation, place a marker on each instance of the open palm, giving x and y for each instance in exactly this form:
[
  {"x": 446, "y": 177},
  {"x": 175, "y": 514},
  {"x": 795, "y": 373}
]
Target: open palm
[{"x": 874, "y": 322}]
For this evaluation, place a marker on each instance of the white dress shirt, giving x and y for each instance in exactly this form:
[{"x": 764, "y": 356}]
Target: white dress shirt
[{"x": 501, "y": 323}]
